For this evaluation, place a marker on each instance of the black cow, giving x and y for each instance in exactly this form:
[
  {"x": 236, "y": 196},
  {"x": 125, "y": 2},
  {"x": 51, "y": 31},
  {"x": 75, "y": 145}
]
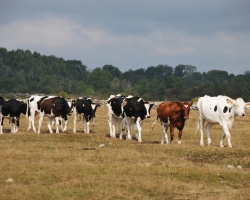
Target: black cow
[
  {"x": 53, "y": 107},
  {"x": 12, "y": 109},
  {"x": 115, "y": 113},
  {"x": 86, "y": 108},
  {"x": 135, "y": 110}
]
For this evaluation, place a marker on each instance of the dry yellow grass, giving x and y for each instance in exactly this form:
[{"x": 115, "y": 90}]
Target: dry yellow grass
[{"x": 73, "y": 166}]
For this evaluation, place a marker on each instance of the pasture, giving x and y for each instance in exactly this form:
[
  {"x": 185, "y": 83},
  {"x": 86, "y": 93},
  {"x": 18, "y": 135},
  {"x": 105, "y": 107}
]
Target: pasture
[{"x": 74, "y": 165}]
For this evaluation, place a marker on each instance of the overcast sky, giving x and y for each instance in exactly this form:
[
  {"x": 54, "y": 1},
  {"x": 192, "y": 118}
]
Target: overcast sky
[{"x": 132, "y": 34}]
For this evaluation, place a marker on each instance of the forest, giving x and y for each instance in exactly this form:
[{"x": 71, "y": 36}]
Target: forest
[{"x": 32, "y": 73}]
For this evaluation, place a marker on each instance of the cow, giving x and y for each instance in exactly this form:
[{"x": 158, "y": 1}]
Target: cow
[
  {"x": 219, "y": 110},
  {"x": 135, "y": 110},
  {"x": 53, "y": 108},
  {"x": 65, "y": 118},
  {"x": 173, "y": 114},
  {"x": 11, "y": 109},
  {"x": 86, "y": 108},
  {"x": 115, "y": 113},
  {"x": 33, "y": 108}
]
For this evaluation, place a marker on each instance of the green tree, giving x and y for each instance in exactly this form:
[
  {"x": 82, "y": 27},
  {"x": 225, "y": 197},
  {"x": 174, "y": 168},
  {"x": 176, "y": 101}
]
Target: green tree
[
  {"x": 114, "y": 71},
  {"x": 99, "y": 80}
]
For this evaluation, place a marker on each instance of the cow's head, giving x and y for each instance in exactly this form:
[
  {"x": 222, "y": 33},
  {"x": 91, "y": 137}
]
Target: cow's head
[
  {"x": 64, "y": 106},
  {"x": 23, "y": 107},
  {"x": 148, "y": 107},
  {"x": 94, "y": 107},
  {"x": 240, "y": 107},
  {"x": 185, "y": 108},
  {"x": 115, "y": 105}
]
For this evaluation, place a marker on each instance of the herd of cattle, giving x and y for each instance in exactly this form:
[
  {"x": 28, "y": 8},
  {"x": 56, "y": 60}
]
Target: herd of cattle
[{"x": 124, "y": 111}]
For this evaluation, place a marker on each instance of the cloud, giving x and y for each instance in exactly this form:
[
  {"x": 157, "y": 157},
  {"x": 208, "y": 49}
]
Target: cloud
[{"x": 97, "y": 46}]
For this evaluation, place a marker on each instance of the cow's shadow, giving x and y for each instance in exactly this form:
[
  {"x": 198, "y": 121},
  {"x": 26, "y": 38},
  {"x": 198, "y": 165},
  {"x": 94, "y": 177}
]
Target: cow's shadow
[{"x": 124, "y": 137}]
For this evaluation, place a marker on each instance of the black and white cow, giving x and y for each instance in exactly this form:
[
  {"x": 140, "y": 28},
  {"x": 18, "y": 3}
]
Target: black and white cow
[
  {"x": 53, "y": 108},
  {"x": 11, "y": 109},
  {"x": 65, "y": 118},
  {"x": 33, "y": 108},
  {"x": 135, "y": 110},
  {"x": 86, "y": 108},
  {"x": 115, "y": 113}
]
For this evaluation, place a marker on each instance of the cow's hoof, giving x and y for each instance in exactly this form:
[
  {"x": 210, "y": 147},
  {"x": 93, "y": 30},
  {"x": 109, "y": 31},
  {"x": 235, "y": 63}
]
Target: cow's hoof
[{"x": 179, "y": 142}]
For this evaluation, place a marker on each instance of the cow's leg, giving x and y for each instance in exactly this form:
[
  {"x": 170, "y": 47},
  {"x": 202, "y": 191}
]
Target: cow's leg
[
  {"x": 58, "y": 123},
  {"x": 110, "y": 124},
  {"x": 75, "y": 116},
  {"x": 179, "y": 135},
  {"x": 171, "y": 132},
  {"x": 93, "y": 124},
  {"x": 113, "y": 124},
  {"x": 164, "y": 132},
  {"x": 66, "y": 124},
  {"x": 40, "y": 122},
  {"x": 49, "y": 124},
  {"x": 120, "y": 126},
  {"x": 87, "y": 125},
  {"x": 31, "y": 122},
  {"x": 84, "y": 123},
  {"x": 128, "y": 121},
  {"x": 225, "y": 133},
  {"x": 1, "y": 125},
  {"x": 17, "y": 124},
  {"x": 208, "y": 127},
  {"x": 138, "y": 128},
  {"x": 11, "y": 123},
  {"x": 201, "y": 126}
]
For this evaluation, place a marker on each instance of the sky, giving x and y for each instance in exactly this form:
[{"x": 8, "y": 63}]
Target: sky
[{"x": 132, "y": 34}]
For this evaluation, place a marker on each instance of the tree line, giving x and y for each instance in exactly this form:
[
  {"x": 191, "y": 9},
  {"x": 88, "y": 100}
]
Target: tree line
[{"x": 27, "y": 72}]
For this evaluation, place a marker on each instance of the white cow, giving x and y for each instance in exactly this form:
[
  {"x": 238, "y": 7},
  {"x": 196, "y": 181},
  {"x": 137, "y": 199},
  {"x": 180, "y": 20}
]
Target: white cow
[{"x": 219, "y": 110}]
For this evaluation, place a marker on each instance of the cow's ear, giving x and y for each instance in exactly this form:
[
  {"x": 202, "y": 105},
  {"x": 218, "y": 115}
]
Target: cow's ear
[
  {"x": 191, "y": 103},
  {"x": 124, "y": 103}
]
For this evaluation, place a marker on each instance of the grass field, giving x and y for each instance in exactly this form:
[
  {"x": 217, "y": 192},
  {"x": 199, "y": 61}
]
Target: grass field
[{"x": 74, "y": 166}]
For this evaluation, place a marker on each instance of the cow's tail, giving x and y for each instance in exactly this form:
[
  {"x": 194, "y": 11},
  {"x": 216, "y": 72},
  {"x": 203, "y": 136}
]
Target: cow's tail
[
  {"x": 28, "y": 109},
  {"x": 154, "y": 123}
]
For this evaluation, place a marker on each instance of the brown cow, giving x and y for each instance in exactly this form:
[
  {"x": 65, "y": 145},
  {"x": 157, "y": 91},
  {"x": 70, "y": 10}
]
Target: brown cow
[{"x": 173, "y": 114}]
